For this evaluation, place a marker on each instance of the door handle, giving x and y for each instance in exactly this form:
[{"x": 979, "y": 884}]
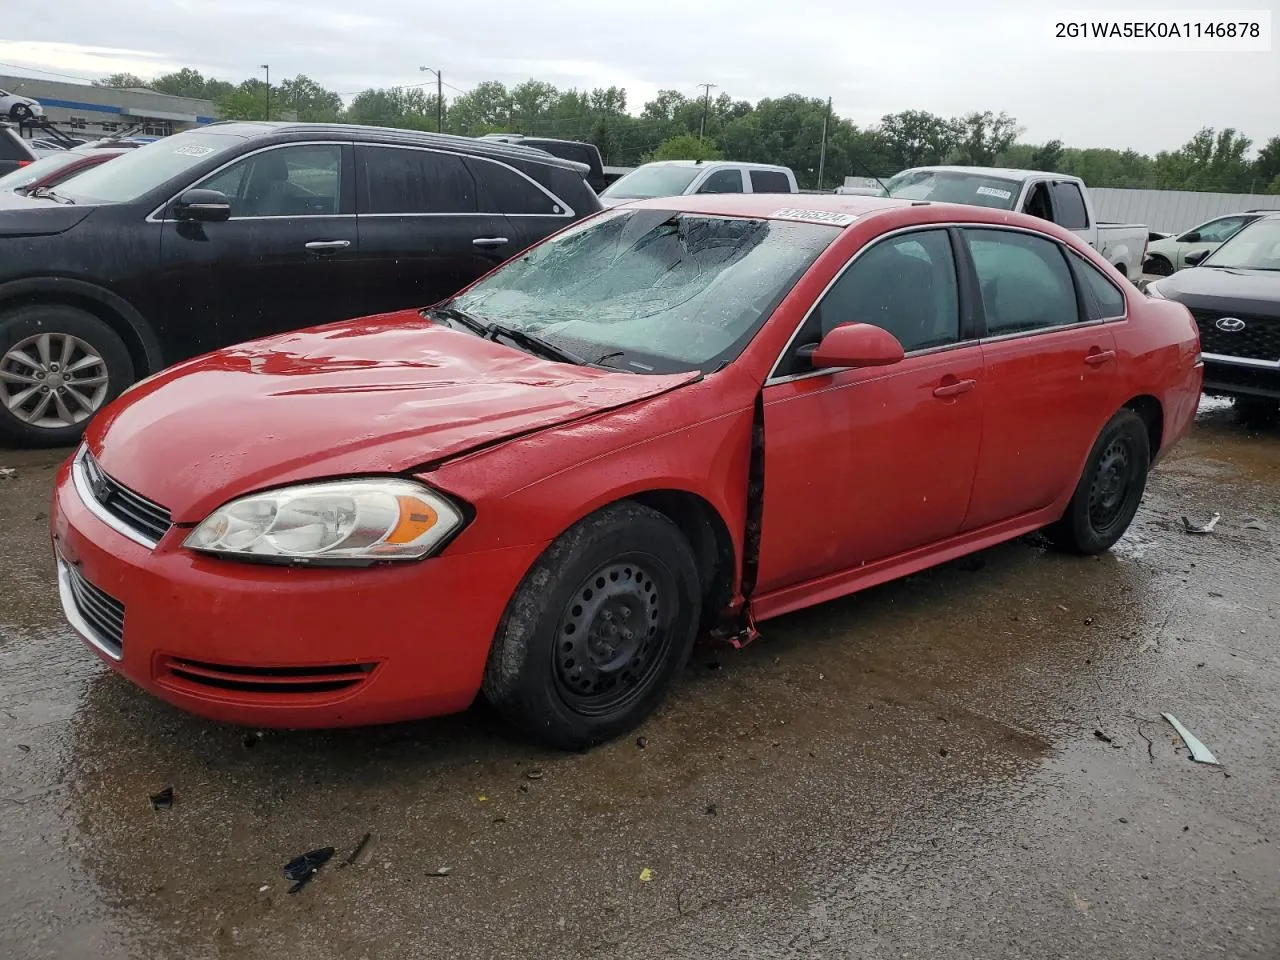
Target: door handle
[
  {"x": 953, "y": 388},
  {"x": 490, "y": 241},
  {"x": 319, "y": 247},
  {"x": 1098, "y": 357}
]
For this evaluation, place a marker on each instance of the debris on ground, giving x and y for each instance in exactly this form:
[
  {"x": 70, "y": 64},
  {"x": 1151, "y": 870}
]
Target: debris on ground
[
  {"x": 251, "y": 740},
  {"x": 1201, "y": 529},
  {"x": 642, "y": 742},
  {"x": 534, "y": 774},
  {"x": 646, "y": 875},
  {"x": 1102, "y": 736},
  {"x": 710, "y": 809},
  {"x": 1255, "y": 525},
  {"x": 1199, "y": 752},
  {"x": 8, "y": 473},
  {"x": 24, "y": 748},
  {"x": 301, "y": 869},
  {"x": 440, "y": 872},
  {"x": 359, "y": 849},
  {"x": 162, "y": 800}
]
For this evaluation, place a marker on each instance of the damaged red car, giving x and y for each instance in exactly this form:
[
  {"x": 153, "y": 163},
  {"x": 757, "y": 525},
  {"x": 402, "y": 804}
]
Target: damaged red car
[{"x": 678, "y": 417}]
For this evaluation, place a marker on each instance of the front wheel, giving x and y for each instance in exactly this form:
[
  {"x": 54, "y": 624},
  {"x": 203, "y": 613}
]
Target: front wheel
[
  {"x": 58, "y": 366},
  {"x": 1158, "y": 267},
  {"x": 21, "y": 111},
  {"x": 1110, "y": 489},
  {"x": 598, "y": 628}
]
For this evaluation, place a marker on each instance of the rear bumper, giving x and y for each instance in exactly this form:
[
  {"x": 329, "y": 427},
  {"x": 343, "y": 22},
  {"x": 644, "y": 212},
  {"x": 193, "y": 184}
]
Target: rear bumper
[{"x": 1241, "y": 376}]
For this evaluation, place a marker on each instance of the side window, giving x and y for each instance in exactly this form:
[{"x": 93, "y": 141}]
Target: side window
[
  {"x": 1037, "y": 202},
  {"x": 905, "y": 285},
  {"x": 769, "y": 181},
  {"x": 1068, "y": 206},
  {"x": 1220, "y": 231},
  {"x": 405, "y": 180},
  {"x": 1025, "y": 282},
  {"x": 296, "y": 181},
  {"x": 499, "y": 189},
  {"x": 1107, "y": 302},
  {"x": 723, "y": 181}
]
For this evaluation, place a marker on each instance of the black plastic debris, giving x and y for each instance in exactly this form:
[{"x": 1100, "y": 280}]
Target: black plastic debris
[
  {"x": 162, "y": 800},
  {"x": 251, "y": 740},
  {"x": 642, "y": 742},
  {"x": 301, "y": 869},
  {"x": 710, "y": 809},
  {"x": 1102, "y": 736},
  {"x": 24, "y": 748}
]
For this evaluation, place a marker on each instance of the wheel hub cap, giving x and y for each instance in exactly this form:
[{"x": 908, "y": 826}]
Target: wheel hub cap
[
  {"x": 1110, "y": 485},
  {"x": 52, "y": 380}
]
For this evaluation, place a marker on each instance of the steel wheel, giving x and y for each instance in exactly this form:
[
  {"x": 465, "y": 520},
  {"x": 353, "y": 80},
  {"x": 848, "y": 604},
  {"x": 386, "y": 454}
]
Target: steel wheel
[
  {"x": 613, "y": 635},
  {"x": 1109, "y": 489},
  {"x": 53, "y": 380}
]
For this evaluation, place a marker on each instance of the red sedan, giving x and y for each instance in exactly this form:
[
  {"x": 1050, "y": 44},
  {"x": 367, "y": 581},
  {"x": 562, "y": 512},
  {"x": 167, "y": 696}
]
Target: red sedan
[
  {"x": 56, "y": 168},
  {"x": 681, "y": 416}
]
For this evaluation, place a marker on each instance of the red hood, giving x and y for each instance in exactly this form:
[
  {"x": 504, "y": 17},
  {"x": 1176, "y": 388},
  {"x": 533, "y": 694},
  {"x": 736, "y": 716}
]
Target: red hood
[{"x": 382, "y": 394}]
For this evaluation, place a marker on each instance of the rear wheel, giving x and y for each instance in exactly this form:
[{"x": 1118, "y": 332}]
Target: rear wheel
[
  {"x": 598, "y": 629},
  {"x": 58, "y": 366},
  {"x": 1110, "y": 489},
  {"x": 1158, "y": 267}
]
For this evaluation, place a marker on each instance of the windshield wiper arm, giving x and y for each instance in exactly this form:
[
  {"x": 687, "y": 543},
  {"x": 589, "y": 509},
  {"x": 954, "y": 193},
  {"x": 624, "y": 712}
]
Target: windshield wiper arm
[
  {"x": 534, "y": 344},
  {"x": 474, "y": 324},
  {"x": 43, "y": 192}
]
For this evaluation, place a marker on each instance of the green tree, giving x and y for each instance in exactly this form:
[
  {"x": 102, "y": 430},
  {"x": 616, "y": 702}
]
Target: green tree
[
  {"x": 121, "y": 81},
  {"x": 410, "y": 108},
  {"x": 1275, "y": 185},
  {"x": 1210, "y": 161},
  {"x": 916, "y": 138},
  {"x": 980, "y": 137},
  {"x": 687, "y": 147},
  {"x": 486, "y": 108},
  {"x": 247, "y": 102},
  {"x": 191, "y": 83},
  {"x": 1047, "y": 157},
  {"x": 308, "y": 100},
  {"x": 1267, "y": 167}
]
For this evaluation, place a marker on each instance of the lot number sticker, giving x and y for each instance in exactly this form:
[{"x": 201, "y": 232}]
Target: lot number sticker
[
  {"x": 193, "y": 151},
  {"x": 814, "y": 216},
  {"x": 994, "y": 192}
]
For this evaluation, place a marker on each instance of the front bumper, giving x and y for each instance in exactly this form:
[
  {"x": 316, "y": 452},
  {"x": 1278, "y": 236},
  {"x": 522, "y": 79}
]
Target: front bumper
[
  {"x": 274, "y": 646},
  {"x": 1241, "y": 376}
]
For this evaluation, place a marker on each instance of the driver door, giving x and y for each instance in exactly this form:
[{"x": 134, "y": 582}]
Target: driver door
[
  {"x": 286, "y": 258},
  {"x": 863, "y": 465}
]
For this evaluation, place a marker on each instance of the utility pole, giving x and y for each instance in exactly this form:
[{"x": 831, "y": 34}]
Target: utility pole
[
  {"x": 439, "y": 98},
  {"x": 267, "y": 67},
  {"x": 706, "y": 107},
  {"x": 822, "y": 152}
]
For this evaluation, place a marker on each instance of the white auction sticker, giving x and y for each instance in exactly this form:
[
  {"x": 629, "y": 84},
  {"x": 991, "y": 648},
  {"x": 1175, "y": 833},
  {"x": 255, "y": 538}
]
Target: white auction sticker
[
  {"x": 1163, "y": 31},
  {"x": 994, "y": 192},
  {"x": 193, "y": 151},
  {"x": 814, "y": 216}
]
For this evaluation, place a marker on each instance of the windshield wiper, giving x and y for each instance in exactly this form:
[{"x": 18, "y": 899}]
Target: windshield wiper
[
  {"x": 534, "y": 344},
  {"x": 47, "y": 192},
  {"x": 474, "y": 324}
]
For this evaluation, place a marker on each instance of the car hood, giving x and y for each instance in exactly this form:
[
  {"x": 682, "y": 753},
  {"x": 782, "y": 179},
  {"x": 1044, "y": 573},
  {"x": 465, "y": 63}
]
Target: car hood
[
  {"x": 384, "y": 394},
  {"x": 22, "y": 216},
  {"x": 1254, "y": 292}
]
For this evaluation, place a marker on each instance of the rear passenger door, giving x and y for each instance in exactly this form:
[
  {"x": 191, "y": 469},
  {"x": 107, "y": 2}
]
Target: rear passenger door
[
  {"x": 769, "y": 181},
  {"x": 1049, "y": 369},
  {"x": 724, "y": 180},
  {"x": 422, "y": 235},
  {"x": 531, "y": 211}
]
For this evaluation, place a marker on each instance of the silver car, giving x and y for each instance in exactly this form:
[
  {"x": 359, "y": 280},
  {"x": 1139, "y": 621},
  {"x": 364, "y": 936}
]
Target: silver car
[{"x": 17, "y": 107}]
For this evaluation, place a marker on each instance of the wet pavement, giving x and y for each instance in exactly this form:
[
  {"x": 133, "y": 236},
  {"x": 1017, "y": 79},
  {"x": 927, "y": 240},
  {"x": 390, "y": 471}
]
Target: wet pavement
[{"x": 918, "y": 771}]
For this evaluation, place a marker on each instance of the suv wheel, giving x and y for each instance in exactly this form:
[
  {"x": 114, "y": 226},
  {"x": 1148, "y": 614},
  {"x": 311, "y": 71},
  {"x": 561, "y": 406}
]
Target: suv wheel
[{"x": 59, "y": 365}]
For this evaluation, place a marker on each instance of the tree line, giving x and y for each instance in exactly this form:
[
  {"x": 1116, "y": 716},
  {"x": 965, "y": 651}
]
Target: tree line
[{"x": 787, "y": 130}]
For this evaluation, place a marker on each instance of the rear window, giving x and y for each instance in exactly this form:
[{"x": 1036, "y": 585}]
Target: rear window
[
  {"x": 500, "y": 189},
  {"x": 38, "y": 170},
  {"x": 946, "y": 186},
  {"x": 769, "y": 181},
  {"x": 138, "y": 172}
]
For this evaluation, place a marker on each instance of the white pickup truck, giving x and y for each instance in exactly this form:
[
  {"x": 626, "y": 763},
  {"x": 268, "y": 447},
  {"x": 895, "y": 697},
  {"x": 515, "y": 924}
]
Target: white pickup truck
[{"x": 1055, "y": 197}]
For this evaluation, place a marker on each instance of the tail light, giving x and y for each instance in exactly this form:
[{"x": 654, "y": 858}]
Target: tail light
[{"x": 25, "y": 163}]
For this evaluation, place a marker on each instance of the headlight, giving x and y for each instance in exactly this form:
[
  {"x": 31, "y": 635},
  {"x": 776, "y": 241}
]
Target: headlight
[{"x": 348, "y": 521}]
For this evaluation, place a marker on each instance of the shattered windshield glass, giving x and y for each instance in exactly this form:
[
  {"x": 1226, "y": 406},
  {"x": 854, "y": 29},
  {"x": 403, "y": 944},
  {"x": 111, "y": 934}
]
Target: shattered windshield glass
[{"x": 651, "y": 291}]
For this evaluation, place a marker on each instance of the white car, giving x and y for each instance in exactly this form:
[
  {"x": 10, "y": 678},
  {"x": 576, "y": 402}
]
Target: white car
[
  {"x": 674, "y": 178},
  {"x": 17, "y": 107},
  {"x": 1171, "y": 254}
]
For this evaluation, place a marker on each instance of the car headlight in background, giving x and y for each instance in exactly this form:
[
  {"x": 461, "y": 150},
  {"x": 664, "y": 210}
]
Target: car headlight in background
[{"x": 347, "y": 521}]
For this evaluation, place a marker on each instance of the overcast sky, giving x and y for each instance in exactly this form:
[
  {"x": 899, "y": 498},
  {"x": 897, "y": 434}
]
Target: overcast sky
[{"x": 945, "y": 56}]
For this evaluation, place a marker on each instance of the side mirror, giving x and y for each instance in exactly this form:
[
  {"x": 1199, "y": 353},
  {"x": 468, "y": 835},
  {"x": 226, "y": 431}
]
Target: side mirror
[
  {"x": 1192, "y": 259},
  {"x": 203, "y": 206},
  {"x": 1192, "y": 237},
  {"x": 856, "y": 345}
]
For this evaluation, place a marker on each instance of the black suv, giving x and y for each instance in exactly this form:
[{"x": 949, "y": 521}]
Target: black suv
[
  {"x": 240, "y": 230},
  {"x": 13, "y": 152}
]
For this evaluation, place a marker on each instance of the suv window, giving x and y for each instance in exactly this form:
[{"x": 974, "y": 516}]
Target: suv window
[
  {"x": 299, "y": 181},
  {"x": 728, "y": 180},
  {"x": 499, "y": 189},
  {"x": 409, "y": 180},
  {"x": 1068, "y": 206},
  {"x": 1220, "y": 231},
  {"x": 1106, "y": 300},
  {"x": 905, "y": 285},
  {"x": 769, "y": 181},
  {"x": 1025, "y": 282}
]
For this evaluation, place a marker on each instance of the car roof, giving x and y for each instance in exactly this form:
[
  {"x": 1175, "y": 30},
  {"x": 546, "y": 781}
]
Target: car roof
[
  {"x": 771, "y": 206},
  {"x": 254, "y": 129},
  {"x": 1003, "y": 173},
  {"x": 712, "y": 164}
]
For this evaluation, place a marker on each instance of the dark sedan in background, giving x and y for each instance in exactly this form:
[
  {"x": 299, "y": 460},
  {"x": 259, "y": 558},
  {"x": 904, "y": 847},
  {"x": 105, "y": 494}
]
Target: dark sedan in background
[
  {"x": 1234, "y": 295},
  {"x": 239, "y": 230}
]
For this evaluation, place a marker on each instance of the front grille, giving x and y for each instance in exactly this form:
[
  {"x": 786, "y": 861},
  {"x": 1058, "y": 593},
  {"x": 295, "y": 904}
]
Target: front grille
[
  {"x": 132, "y": 509},
  {"x": 101, "y": 611},
  {"x": 271, "y": 681},
  {"x": 1233, "y": 379},
  {"x": 1259, "y": 340}
]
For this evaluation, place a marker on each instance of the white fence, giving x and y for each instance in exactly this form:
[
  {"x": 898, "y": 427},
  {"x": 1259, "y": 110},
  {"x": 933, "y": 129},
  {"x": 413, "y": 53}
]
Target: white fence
[{"x": 1173, "y": 211}]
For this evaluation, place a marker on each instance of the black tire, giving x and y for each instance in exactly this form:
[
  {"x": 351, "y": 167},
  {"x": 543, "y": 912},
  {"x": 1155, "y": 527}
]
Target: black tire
[
  {"x": 1110, "y": 489},
  {"x": 544, "y": 672},
  {"x": 20, "y": 324},
  {"x": 1158, "y": 266},
  {"x": 20, "y": 111}
]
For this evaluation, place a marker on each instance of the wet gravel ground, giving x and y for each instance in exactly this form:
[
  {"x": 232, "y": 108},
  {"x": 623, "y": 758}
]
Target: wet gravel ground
[{"x": 918, "y": 771}]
